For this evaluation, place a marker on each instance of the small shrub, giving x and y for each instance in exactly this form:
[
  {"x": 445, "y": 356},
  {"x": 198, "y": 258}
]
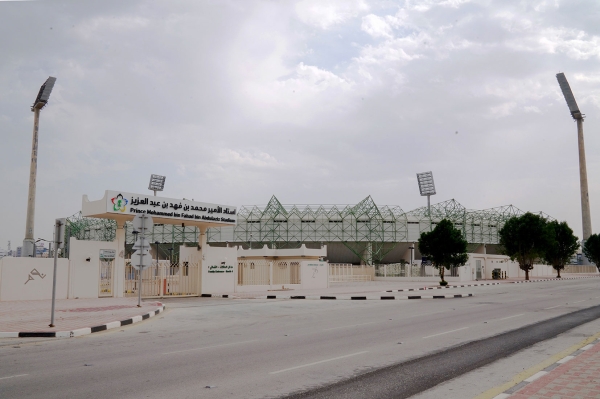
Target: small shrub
[{"x": 443, "y": 283}]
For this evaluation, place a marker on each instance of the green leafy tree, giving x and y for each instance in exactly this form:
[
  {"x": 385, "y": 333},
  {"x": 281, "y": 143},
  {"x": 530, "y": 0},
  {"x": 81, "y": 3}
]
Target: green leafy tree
[
  {"x": 524, "y": 239},
  {"x": 444, "y": 246},
  {"x": 591, "y": 249},
  {"x": 561, "y": 245}
]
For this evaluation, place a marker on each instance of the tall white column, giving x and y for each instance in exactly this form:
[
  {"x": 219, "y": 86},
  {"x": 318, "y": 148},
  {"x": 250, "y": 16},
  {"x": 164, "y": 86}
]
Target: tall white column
[
  {"x": 202, "y": 244},
  {"x": 119, "y": 276}
]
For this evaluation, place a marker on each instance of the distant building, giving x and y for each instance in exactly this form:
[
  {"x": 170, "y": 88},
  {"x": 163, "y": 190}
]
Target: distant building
[
  {"x": 40, "y": 250},
  {"x": 19, "y": 252}
]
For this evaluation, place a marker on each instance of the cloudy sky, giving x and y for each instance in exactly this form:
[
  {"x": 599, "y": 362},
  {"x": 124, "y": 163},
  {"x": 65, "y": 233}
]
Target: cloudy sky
[{"x": 314, "y": 101}]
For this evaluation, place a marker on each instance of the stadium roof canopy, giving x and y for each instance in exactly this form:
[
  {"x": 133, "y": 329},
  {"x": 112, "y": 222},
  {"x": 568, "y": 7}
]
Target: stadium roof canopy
[{"x": 288, "y": 226}]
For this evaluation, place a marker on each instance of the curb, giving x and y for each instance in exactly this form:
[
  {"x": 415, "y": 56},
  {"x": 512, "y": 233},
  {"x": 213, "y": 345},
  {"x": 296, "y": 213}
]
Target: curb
[
  {"x": 509, "y": 392},
  {"x": 440, "y": 288},
  {"x": 82, "y": 331},
  {"x": 364, "y": 298},
  {"x": 482, "y": 284},
  {"x": 552, "y": 279}
]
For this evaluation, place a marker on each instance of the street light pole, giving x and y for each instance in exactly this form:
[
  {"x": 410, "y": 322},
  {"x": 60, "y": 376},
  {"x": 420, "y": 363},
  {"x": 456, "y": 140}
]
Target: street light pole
[
  {"x": 28, "y": 242},
  {"x": 40, "y": 102},
  {"x": 576, "y": 114}
]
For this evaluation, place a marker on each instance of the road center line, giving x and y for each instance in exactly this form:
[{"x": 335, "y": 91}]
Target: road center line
[
  {"x": 352, "y": 325},
  {"x": 553, "y": 307},
  {"x": 13, "y": 376},
  {"x": 447, "y": 332},
  {"x": 578, "y": 301},
  {"x": 209, "y": 347},
  {"x": 510, "y": 317},
  {"x": 319, "y": 362}
]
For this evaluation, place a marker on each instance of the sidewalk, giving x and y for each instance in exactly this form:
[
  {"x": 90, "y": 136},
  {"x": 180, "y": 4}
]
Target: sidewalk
[
  {"x": 575, "y": 376},
  {"x": 72, "y": 317},
  {"x": 75, "y": 317}
]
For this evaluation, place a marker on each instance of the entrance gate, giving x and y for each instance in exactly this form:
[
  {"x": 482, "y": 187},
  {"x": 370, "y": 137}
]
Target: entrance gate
[
  {"x": 478, "y": 270},
  {"x": 106, "y": 280},
  {"x": 107, "y": 266},
  {"x": 163, "y": 279}
]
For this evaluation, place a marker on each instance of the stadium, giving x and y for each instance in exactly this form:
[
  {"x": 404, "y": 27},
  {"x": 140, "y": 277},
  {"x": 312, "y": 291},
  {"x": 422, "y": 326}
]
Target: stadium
[{"x": 363, "y": 233}]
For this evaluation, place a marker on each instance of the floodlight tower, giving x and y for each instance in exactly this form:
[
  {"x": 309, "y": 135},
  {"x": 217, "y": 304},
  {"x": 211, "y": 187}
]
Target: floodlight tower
[
  {"x": 157, "y": 183},
  {"x": 578, "y": 116},
  {"x": 40, "y": 102},
  {"x": 426, "y": 187}
]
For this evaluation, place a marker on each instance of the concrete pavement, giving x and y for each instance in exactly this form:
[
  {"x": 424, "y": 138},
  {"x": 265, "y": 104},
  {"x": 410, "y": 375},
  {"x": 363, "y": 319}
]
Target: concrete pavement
[
  {"x": 73, "y": 316},
  {"x": 272, "y": 348}
]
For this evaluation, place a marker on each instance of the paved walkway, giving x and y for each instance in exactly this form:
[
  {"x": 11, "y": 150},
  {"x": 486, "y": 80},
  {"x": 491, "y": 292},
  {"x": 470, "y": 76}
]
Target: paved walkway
[
  {"x": 576, "y": 376},
  {"x": 70, "y": 314}
]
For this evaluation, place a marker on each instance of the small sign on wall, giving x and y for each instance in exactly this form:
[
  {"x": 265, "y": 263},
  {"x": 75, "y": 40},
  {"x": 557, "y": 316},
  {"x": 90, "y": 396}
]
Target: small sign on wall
[{"x": 108, "y": 254}]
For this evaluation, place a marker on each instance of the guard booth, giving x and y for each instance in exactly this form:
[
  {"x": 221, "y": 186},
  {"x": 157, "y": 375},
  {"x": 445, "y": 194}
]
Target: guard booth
[{"x": 116, "y": 276}]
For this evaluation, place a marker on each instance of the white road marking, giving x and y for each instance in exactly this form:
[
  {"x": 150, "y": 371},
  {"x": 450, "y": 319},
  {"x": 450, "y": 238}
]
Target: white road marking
[
  {"x": 536, "y": 376},
  {"x": 447, "y": 332},
  {"x": 578, "y": 301},
  {"x": 510, "y": 317},
  {"x": 13, "y": 376},
  {"x": 319, "y": 362},
  {"x": 553, "y": 307},
  {"x": 209, "y": 347},
  {"x": 352, "y": 325}
]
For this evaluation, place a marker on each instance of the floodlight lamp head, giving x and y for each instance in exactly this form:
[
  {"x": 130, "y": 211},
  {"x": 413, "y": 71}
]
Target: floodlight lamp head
[
  {"x": 44, "y": 94},
  {"x": 569, "y": 97},
  {"x": 426, "y": 185},
  {"x": 157, "y": 183}
]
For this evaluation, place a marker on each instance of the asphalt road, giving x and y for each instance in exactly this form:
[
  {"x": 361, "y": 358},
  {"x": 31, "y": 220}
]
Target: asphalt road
[{"x": 218, "y": 348}]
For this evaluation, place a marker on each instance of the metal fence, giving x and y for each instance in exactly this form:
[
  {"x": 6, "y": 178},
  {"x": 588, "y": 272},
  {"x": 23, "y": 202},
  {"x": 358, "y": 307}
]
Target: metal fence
[
  {"x": 163, "y": 280},
  {"x": 254, "y": 272},
  {"x": 392, "y": 270},
  {"x": 286, "y": 272},
  {"x": 580, "y": 269},
  {"x": 345, "y": 272},
  {"x": 264, "y": 272}
]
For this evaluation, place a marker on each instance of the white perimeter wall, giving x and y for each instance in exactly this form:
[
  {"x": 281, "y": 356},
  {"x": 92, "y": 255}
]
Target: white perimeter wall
[
  {"x": 219, "y": 265},
  {"x": 215, "y": 278},
  {"x": 85, "y": 275},
  {"x": 31, "y": 278},
  {"x": 314, "y": 274},
  {"x": 502, "y": 262}
]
